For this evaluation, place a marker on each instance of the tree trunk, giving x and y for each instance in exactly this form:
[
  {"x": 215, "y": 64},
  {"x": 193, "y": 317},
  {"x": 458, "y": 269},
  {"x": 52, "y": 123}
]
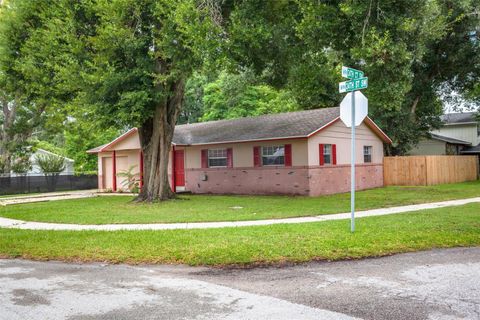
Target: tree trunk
[
  {"x": 6, "y": 138},
  {"x": 156, "y": 136},
  {"x": 413, "y": 109}
]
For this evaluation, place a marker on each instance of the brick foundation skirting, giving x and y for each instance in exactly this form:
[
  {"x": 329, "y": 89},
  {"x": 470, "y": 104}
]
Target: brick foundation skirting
[{"x": 313, "y": 181}]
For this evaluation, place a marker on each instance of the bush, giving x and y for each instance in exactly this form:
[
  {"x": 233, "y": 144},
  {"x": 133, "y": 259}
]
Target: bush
[
  {"x": 50, "y": 163},
  {"x": 21, "y": 165}
]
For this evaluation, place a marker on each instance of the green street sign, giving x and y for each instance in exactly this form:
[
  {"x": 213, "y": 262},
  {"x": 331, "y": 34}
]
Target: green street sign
[
  {"x": 351, "y": 73},
  {"x": 352, "y": 85}
]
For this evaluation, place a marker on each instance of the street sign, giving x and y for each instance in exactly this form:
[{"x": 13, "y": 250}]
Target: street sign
[
  {"x": 358, "y": 111},
  {"x": 361, "y": 108},
  {"x": 352, "y": 85},
  {"x": 351, "y": 73}
]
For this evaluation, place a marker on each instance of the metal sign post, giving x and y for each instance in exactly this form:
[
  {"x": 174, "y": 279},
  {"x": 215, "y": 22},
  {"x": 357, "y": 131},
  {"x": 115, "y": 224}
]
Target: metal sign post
[
  {"x": 352, "y": 169},
  {"x": 352, "y": 119}
]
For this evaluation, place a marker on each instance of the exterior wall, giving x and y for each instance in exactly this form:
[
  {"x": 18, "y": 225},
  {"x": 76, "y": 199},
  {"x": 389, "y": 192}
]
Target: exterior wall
[
  {"x": 244, "y": 178},
  {"x": 132, "y": 142},
  {"x": 465, "y": 132},
  {"x": 429, "y": 147},
  {"x": 336, "y": 179},
  {"x": 304, "y": 177},
  {"x": 340, "y": 135},
  {"x": 263, "y": 180},
  {"x": 124, "y": 160},
  {"x": 243, "y": 152}
]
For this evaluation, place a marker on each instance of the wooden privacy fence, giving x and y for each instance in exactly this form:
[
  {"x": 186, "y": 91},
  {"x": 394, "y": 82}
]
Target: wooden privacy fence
[{"x": 429, "y": 170}]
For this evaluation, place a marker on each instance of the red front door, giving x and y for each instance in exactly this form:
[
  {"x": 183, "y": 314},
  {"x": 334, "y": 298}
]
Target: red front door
[{"x": 179, "y": 168}]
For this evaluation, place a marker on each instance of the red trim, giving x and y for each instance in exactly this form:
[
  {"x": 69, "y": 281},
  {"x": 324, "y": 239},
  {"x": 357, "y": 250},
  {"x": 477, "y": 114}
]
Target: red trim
[
  {"x": 114, "y": 169},
  {"x": 256, "y": 157},
  {"x": 174, "y": 181},
  {"x": 334, "y": 154},
  {"x": 288, "y": 155},
  {"x": 320, "y": 154},
  {"x": 204, "y": 158},
  {"x": 229, "y": 158},
  {"x": 140, "y": 183}
]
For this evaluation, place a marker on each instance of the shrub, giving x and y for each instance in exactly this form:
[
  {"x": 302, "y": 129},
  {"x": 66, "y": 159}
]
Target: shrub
[
  {"x": 132, "y": 181},
  {"x": 21, "y": 165},
  {"x": 50, "y": 163}
]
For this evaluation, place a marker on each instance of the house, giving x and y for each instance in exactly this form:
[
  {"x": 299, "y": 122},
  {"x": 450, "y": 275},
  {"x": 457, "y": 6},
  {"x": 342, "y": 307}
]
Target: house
[
  {"x": 35, "y": 169},
  {"x": 459, "y": 134},
  {"x": 300, "y": 153}
]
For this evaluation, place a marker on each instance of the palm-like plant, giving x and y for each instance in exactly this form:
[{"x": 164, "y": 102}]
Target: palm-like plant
[{"x": 50, "y": 165}]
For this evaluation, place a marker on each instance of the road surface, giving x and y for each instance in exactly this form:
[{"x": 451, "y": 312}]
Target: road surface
[{"x": 438, "y": 284}]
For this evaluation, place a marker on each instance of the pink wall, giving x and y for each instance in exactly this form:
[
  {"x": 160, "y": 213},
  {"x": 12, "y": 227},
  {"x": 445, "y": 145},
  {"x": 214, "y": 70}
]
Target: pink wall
[
  {"x": 336, "y": 179},
  {"x": 311, "y": 181},
  {"x": 266, "y": 180}
]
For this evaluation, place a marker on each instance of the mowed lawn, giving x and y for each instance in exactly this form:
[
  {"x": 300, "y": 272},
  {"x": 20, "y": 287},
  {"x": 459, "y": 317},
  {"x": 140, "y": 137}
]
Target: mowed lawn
[
  {"x": 332, "y": 240},
  {"x": 197, "y": 208}
]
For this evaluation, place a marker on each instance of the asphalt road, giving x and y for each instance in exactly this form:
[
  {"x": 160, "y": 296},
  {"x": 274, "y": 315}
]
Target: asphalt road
[{"x": 439, "y": 284}]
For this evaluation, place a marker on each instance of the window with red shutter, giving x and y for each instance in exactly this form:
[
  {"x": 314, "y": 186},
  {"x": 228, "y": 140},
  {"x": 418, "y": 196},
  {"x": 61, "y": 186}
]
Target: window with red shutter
[
  {"x": 288, "y": 155},
  {"x": 320, "y": 154}
]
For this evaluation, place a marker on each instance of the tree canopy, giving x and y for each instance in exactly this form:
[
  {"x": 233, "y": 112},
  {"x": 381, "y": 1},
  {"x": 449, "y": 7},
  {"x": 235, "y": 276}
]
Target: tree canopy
[{"x": 148, "y": 63}]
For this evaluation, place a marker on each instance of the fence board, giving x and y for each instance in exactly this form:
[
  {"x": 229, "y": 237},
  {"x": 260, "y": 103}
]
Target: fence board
[{"x": 429, "y": 170}]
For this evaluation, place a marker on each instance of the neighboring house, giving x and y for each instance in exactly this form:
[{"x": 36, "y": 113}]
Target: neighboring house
[
  {"x": 304, "y": 153},
  {"x": 35, "y": 170},
  {"x": 459, "y": 134}
]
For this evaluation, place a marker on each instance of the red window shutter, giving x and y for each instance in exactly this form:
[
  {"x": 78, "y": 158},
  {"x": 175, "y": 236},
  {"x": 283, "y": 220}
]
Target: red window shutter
[
  {"x": 204, "y": 158},
  {"x": 256, "y": 157},
  {"x": 320, "y": 154},
  {"x": 229, "y": 158},
  {"x": 334, "y": 154},
  {"x": 288, "y": 155}
]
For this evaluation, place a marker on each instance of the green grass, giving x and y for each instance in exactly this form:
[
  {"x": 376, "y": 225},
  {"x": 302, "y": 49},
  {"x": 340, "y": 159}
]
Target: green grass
[
  {"x": 375, "y": 236},
  {"x": 191, "y": 208}
]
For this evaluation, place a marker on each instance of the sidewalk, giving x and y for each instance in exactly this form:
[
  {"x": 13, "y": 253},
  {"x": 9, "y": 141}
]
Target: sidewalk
[{"x": 19, "y": 224}]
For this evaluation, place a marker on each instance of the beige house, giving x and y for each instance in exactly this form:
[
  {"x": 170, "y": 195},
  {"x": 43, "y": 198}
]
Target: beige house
[
  {"x": 459, "y": 134},
  {"x": 302, "y": 153}
]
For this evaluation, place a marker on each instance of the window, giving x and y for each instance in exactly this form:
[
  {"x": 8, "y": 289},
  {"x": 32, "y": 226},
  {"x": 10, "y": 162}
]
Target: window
[
  {"x": 217, "y": 158},
  {"x": 367, "y": 154},
  {"x": 327, "y": 154},
  {"x": 273, "y": 155}
]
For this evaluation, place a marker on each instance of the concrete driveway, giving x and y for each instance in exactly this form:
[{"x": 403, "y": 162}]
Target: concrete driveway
[{"x": 439, "y": 284}]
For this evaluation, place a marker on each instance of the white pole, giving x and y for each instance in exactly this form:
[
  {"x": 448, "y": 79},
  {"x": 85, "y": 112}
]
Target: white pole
[{"x": 352, "y": 173}]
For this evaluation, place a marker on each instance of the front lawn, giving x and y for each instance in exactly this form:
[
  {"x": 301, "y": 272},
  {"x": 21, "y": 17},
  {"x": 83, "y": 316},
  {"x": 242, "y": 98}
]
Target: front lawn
[
  {"x": 191, "y": 208},
  {"x": 332, "y": 240}
]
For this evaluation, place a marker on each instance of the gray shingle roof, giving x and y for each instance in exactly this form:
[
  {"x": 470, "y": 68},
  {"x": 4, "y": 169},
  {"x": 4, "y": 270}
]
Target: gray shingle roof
[
  {"x": 449, "y": 140},
  {"x": 454, "y": 118},
  {"x": 283, "y": 125}
]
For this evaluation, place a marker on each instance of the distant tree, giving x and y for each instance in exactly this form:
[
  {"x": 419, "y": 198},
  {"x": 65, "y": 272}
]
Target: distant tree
[
  {"x": 240, "y": 95},
  {"x": 82, "y": 135},
  {"x": 192, "y": 109}
]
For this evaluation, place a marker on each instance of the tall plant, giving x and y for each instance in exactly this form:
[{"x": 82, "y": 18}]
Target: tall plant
[{"x": 51, "y": 166}]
